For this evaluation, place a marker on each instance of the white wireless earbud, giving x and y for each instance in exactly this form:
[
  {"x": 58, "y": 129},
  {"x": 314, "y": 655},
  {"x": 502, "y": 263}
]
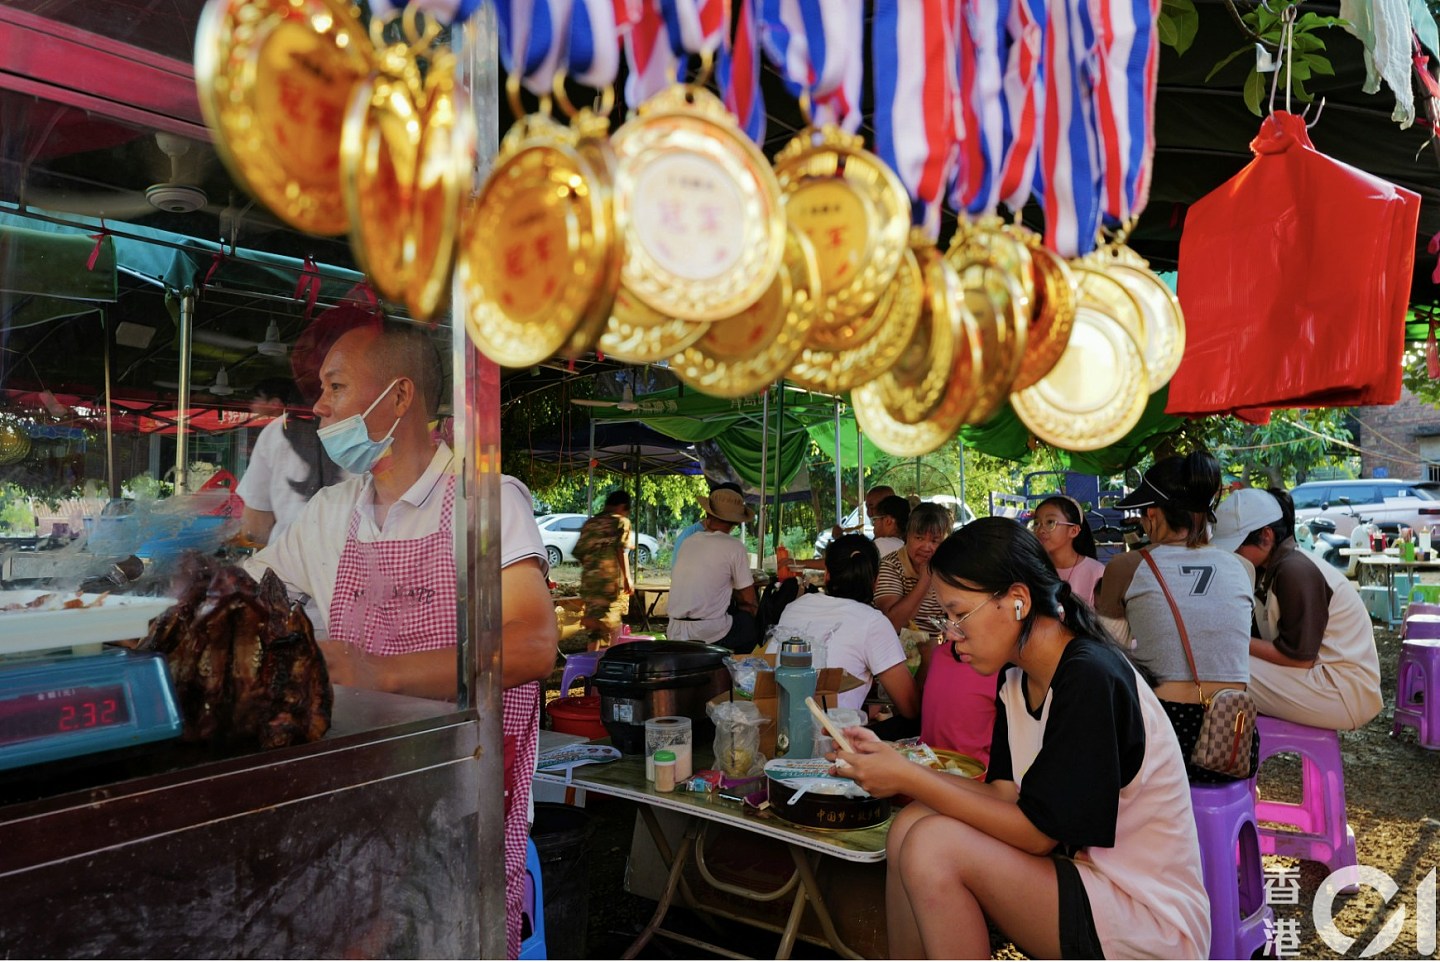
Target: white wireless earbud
[{"x": 1019, "y": 610}]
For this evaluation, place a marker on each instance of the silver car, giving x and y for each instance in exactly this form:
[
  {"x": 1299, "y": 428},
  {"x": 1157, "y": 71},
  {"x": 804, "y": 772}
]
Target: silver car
[{"x": 1383, "y": 501}]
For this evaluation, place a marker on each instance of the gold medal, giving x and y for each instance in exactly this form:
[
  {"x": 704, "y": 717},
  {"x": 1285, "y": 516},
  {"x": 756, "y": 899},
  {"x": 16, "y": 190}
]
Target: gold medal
[
  {"x": 835, "y": 372},
  {"x": 700, "y": 206},
  {"x": 746, "y": 353},
  {"x": 1052, "y": 311},
  {"x": 275, "y": 79},
  {"x": 996, "y": 300},
  {"x": 1164, "y": 343},
  {"x": 636, "y": 334},
  {"x": 914, "y": 387},
  {"x": 1097, "y": 289},
  {"x": 856, "y": 213},
  {"x": 535, "y": 251}
]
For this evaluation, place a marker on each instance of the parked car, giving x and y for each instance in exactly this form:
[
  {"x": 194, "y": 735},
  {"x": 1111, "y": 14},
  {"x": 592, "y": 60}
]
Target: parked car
[
  {"x": 853, "y": 519},
  {"x": 1383, "y": 501},
  {"x": 559, "y": 532}
]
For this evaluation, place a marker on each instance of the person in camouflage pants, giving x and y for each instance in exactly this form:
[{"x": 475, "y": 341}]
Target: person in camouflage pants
[{"x": 603, "y": 551}]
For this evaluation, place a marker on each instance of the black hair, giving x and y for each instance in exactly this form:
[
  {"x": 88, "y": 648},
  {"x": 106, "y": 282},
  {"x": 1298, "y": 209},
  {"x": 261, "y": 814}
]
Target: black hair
[
  {"x": 928, "y": 518},
  {"x": 1282, "y": 529},
  {"x": 895, "y": 507},
  {"x": 1084, "y": 543},
  {"x": 281, "y": 389},
  {"x": 619, "y": 498},
  {"x": 991, "y": 554},
  {"x": 851, "y": 564},
  {"x": 1191, "y": 483},
  {"x": 408, "y": 350}
]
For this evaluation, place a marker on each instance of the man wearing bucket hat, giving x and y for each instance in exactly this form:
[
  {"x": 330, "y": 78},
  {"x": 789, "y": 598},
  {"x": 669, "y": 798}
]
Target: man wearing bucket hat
[
  {"x": 1314, "y": 662},
  {"x": 712, "y": 592}
]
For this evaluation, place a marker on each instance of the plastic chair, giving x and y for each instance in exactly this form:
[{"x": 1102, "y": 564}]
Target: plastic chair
[
  {"x": 582, "y": 664},
  {"x": 1322, "y": 831},
  {"x": 1417, "y": 691},
  {"x": 1428, "y": 595},
  {"x": 533, "y": 909},
  {"x": 1225, "y": 824}
]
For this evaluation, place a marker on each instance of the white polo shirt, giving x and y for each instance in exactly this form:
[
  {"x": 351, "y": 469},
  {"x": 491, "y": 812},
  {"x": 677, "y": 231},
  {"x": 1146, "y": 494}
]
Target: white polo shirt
[
  {"x": 273, "y": 465},
  {"x": 306, "y": 556},
  {"x": 711, "y": 566}
]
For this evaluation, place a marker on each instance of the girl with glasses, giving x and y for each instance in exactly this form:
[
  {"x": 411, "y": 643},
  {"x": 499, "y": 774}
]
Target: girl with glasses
[
  {"x": 1066, "y": 536},
  {"x": 1080, "y": 842}
]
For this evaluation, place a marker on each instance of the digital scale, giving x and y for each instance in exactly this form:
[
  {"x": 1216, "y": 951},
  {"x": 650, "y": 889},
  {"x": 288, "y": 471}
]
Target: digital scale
[{"x": 62, "y": 693}]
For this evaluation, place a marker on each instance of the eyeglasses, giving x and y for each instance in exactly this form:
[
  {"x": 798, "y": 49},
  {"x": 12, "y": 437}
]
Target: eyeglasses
[
  {"x": 945, "y": 626},
  {"x": 1050, "y": 524}
]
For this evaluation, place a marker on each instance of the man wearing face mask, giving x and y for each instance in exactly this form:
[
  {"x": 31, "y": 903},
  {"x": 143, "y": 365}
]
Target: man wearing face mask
[{"x": 375, "y": 557}]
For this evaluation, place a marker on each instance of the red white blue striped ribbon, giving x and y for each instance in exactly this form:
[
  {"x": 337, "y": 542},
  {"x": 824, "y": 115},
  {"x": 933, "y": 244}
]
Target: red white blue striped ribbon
[
  {"x": 696, "y": 26},
  {"x": 1024, "y": 89},
  {"x": 917, "y": 120},
  {"x": 816, "y": 47},
  {"x": 980, "y": 43},
  {"x": 739, "y": 74},
  {"x": 593, "y": 45},
  {"x": 1069, "y": 149},
  {"x": 648, "y": 56},
  {"x": 531, "y": 37},
  {"x": 446, "y": 11},
  {"x": 1129, "y": 60}
]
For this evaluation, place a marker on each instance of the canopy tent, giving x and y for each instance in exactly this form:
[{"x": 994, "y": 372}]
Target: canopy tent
[{"x": 624, "y": 448}]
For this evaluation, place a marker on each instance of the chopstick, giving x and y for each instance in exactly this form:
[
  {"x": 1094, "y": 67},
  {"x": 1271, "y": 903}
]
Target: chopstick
[{"x": 830, "y": 727}]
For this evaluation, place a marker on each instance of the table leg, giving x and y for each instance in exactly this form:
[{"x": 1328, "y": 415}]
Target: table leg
[
  {"x": 677, "y": 867},
  {"x": 650, "y": 609},
  {"x": 810, "y": 886}
]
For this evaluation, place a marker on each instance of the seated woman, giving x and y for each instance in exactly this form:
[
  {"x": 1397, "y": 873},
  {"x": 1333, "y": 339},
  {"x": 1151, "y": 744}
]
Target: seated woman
[
  {"x": 1066, "y": 536},
  {"x": 1081, "y": 842},
  {"x": 1211, "y": 588},
  {"x": 957, "y": 706},
  {"x": 855, "y": 636}
]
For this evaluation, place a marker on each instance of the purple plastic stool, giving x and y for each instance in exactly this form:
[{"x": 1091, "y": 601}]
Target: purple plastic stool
[
  {"x": 1421, "y": 626},
  {"x": 1225, "y": 823},
  {"x": 579, "y": 665},
  {"x": 1322, "y": 832},
  {"x": 1417, "y": 691}
]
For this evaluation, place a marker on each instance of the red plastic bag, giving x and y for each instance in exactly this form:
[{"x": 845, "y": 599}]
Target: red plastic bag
[{"x": 1295, "y": 279}]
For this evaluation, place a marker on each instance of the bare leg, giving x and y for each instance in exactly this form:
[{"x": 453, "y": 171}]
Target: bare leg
[
  {"x": 900, "y": 922},
  {"x": 955, "y": 876}
]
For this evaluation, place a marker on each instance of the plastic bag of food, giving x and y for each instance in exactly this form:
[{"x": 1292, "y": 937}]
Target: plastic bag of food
[
  {"x": 742, "y": 674},
  {"x": 737, "y": 738}
]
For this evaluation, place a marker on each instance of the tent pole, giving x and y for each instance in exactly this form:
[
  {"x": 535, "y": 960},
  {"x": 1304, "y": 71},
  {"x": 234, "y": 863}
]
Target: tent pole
[
  {"x": 764, "y": 463},
  {"x": 860, "y": 470},
  {"x": 590, "y": 476},
  {"x": 635, "y": 527},
  {"x": 961, "y": 441},
  {"x": 182, "y": 422},
  {"x": 839, "y": 493},
  {"x": 111, "y": 481},
  {"x": 779, "y": 520}
]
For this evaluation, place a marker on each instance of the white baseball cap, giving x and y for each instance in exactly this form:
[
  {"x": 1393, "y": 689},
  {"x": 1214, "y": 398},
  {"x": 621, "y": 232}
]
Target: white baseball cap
[{"x": 1244, "y": 511}]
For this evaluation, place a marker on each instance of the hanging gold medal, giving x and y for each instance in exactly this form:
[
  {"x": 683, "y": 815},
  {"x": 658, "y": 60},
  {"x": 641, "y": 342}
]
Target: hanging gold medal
[
  {"x": 275, "y": 79},
  {"x": 1052, "y": 310},
  {"x": 1164, "y": 321}
]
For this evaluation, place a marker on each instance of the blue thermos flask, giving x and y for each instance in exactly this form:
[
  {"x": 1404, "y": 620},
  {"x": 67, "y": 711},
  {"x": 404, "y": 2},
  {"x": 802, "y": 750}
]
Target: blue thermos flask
[{"x": 795, "y": 676}]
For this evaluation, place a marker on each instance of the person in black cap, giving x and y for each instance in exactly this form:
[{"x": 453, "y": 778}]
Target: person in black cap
[{"x": 1210, "y": 588}]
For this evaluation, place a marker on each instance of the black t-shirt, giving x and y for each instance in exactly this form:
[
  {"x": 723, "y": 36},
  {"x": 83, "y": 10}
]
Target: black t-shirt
[{"x": 1092, "y": 743}]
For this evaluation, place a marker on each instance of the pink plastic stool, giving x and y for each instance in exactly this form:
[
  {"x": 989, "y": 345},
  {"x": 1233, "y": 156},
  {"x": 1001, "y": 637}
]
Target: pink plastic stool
[
  {"x": 1421, "y": 626},
  {"x": 1225, "y": 823},
  {"x": 582, "y": 664},
  {"x": 1322, "y": 832},
  {"x": 1417, "y": 691}
]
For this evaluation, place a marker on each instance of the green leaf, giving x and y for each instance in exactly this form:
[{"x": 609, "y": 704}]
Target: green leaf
[
  {"x": 1307, "y": 42},
  {"x": 1178, "y": 24},
  {"x": 1255, "y": 92},
  {"x": 1226, "y": 62},
  {"x": 1321, "y": 66},
  {"x": 1300, "y": 70}
]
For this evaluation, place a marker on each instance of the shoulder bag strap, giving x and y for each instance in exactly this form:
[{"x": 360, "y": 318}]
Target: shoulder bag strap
[{"x": 1179, "y": 622}]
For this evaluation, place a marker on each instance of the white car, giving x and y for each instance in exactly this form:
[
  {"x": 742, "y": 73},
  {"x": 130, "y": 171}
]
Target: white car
[
  {"x": 559, "y": 532},
  {"x": 853, "y": 520}
]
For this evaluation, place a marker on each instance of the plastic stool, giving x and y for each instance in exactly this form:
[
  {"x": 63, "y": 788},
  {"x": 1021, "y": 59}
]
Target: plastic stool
[
  {"x": 1428, "y": 595},
  {"x": 582, "y": 664},
  {"x": 1421, "y": 626},
  {"x": 1417, "y": 691},
  {"x": 1225, "y": 823},
  {"x": 1322, "y": 831},
  {"x": 533, "y": 947}
]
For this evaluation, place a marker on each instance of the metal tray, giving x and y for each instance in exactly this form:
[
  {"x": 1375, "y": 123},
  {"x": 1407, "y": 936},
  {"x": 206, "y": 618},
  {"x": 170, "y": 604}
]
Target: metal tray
[{"x": 117, "y": 618}]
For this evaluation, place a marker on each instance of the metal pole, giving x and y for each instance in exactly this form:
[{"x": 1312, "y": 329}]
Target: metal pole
[
  {"x": 779, "y": 521},
  {"x": 860, "y": 469},
  {"x": 961, "y": 441},
  {"x": 764, "y": 463},
  {"x": 182, "y": 422},
  {"x": 477, "y": 544},
  {"x": 839, "y": 494},
  {"x": 111, "y": 481},
  {"x": 590, "y": 475}
]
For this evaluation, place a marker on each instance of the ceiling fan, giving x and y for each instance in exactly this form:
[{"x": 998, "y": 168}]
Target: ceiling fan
[{"x": 179, "y": 193}]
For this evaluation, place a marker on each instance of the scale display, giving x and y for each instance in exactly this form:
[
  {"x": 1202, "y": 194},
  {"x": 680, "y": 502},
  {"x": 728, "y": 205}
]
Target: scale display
[{"x": 61, "y": 707}]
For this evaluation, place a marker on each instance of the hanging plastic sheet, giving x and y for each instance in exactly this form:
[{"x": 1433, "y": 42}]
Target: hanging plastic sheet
[{"x": 1294, "y": 276}]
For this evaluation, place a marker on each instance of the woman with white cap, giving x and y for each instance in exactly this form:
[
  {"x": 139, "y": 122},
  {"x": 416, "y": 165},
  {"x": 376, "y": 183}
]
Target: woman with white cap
[{"x": 1209, "y": 587}]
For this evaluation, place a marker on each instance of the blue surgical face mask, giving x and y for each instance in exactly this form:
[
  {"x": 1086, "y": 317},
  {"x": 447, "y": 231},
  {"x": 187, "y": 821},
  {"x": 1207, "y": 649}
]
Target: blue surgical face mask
[{"x": 348, "y": 443}]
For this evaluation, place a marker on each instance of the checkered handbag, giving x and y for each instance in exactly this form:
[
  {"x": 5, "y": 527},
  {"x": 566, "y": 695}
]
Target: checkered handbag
[{"x": 1228, "y": 731}]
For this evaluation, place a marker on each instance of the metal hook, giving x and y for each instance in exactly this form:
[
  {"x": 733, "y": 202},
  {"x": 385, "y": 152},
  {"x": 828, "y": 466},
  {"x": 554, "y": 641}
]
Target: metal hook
[{"x": 1319, "y": 109}]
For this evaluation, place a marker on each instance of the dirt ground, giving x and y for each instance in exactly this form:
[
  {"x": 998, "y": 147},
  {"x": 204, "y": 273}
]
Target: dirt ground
[{"x": 1393, "y": 798}]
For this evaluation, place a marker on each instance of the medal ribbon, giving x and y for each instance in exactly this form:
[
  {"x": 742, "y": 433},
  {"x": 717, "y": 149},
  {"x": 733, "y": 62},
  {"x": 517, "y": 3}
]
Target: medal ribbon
[
  {"x": 917, "y": 123},
  {"x": 696, "y": 26},
  {"x": 531, "y": 38},
  {"x": 593, "y": 47},
  {"x": 815, "y": 46},
  {"x": 1129, "y": 60},
  {"x": 1069, "y": 151},
  {"x": 648, "y": 56},
  {"x": 980, "y": 44},
  {"x": 447, "y": 12},
  {"x": 739, "y": 74},
  {"x": 1024, "y": 90}
]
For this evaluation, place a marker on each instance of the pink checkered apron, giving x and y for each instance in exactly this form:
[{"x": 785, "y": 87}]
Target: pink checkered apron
[{"x": 398, "y": 597}]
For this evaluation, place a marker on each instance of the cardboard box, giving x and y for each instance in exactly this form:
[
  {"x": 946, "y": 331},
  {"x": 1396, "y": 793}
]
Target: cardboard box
[{"x": 828, "y": 685}]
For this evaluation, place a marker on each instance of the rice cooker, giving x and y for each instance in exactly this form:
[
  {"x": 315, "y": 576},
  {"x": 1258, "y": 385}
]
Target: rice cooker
[{"x": 651, "y": 679}]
